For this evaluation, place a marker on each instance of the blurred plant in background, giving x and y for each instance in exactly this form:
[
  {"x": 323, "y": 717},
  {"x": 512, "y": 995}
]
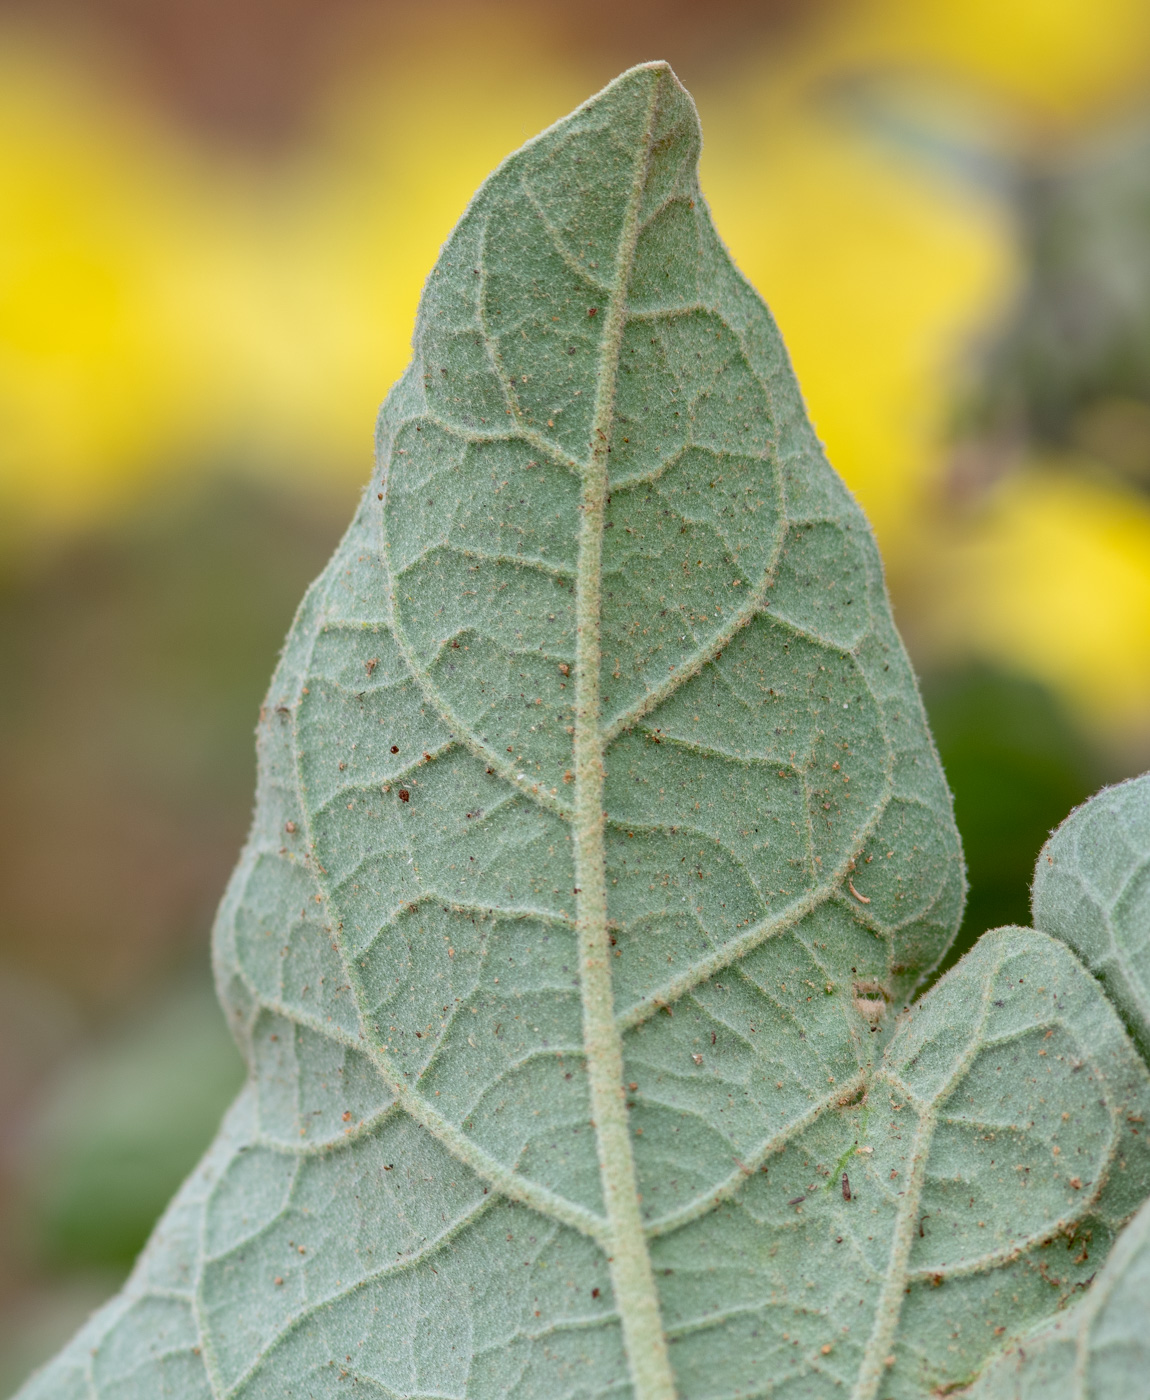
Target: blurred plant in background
[{"x": 216, "y": 220}]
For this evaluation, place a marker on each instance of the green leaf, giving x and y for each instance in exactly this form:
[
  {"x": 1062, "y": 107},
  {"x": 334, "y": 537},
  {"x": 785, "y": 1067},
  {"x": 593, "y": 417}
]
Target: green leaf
[
  {"x": 1099, "y": 1348},
  {"x": 1004, "y": 1176},
  {"x": 598, "y": 835},
  {"x": 1092, "y": 890}
]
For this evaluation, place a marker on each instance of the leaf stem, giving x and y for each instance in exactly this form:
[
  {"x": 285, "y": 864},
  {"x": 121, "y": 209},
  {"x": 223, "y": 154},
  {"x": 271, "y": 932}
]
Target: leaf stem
[{"x": 632, "y": 1279}]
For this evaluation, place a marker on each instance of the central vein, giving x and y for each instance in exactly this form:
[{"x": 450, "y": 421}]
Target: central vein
[{"x": 632, "y": 1279}]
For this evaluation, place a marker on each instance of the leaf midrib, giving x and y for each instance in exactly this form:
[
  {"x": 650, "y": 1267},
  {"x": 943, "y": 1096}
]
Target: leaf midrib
[
  {"x": 632, "y": 1279},
  {"x": 625, "y": 1238}
]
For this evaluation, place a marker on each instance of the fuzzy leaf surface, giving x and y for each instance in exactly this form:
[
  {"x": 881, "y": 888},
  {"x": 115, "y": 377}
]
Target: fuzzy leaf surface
[
  {"x": 598, "y": 826},
  {"x": 993, "y": 1159},
  {"x": 1092, "y": 890},
  {"x": 1097, "y": 1350}
]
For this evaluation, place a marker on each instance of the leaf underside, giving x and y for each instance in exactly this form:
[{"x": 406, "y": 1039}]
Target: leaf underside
[
  {"x": 1098, "y": 1348},
  {"x": 1092, "y": 890},
  {"x": 598, "y": 826}
]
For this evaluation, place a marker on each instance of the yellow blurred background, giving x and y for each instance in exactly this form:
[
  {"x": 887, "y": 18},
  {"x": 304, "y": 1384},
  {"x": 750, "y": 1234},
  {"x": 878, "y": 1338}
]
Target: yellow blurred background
[{"x": 215, "y": 220}]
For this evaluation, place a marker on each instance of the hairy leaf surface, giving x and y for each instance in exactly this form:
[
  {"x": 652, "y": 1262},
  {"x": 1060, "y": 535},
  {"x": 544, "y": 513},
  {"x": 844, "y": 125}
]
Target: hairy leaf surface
[
  {"x": 1092, "y": 889},
  {"x": 598, "y": 829},
  {"x": 1099, "y": 1348}
]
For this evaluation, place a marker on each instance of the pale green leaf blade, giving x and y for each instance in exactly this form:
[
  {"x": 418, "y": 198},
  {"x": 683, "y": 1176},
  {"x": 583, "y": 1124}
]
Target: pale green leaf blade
[
  {"x": 1092, "y": 889},
  {"x": 598, "y": 825},
  {"x": 1097, "y": 1350},
  {"x": 990, "y": 1163}
]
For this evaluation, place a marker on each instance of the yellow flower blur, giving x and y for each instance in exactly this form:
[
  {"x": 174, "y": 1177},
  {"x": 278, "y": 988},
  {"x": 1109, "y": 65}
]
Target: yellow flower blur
[
  {"x": 1053, "y": 577},
  {"x": 166, "y": 306}
]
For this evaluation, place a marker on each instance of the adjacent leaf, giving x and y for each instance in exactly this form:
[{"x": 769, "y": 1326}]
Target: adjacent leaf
[
  {"x": 999, "y": 1152},
  {"x": 1092, "y": 889},
  {"x": 1100, "y": 1348},
  {"x": 597, "y": 826}
]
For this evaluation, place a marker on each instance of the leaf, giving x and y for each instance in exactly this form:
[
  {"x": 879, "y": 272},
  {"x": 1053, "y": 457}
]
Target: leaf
[
  {"x": 1099, "y": 1348},
  {"x": 598, "y": 826},
  {"x": 1092, "y": 890},
  {"x": 989, "y": 1165},
  {"x": 1006, "y": 1156}
]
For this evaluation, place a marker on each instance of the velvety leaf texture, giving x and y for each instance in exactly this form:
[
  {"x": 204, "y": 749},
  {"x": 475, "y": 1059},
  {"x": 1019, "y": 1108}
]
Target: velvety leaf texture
[
  {"x": 1092, "y": 889},
  {"x": 599, "y": 834},
  {"x": 1101, "y": 1347}
]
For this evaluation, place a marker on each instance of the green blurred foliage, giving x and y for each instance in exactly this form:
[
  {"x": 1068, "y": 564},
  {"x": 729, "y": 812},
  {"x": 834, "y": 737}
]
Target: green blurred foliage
[
  {"x": 124, "y": 1125},
  {"x": 137, "y": 661},
  {"x": 1016, "y": 764}
]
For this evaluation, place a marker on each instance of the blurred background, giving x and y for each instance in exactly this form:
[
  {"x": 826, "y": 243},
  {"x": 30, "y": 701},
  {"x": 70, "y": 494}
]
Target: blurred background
[{"x": 215, "y": 221}]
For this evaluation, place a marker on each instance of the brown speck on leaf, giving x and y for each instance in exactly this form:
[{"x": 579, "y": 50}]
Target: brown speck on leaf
[
  {"x": 279, "y": 1282},
  {"x": 592, "y": 310},
  {"x": 796, "y": 1200},
  {"x": 1076, "y": 1182},
  {"x": 594, "y": 1293},
  {"x": 346, "y": 1115},
  {"x": 826, "y": 1349},
  {"x": 290, "y": 828},
  {"x": 564, "y": 669},
  {"x": 404, "y": 795},
  {"x": 370, "y": 666},
  {"x": 862, "y": 898},
  {"x": 698, "y": 1059},
  {"x": 846, "y": 1187}
]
